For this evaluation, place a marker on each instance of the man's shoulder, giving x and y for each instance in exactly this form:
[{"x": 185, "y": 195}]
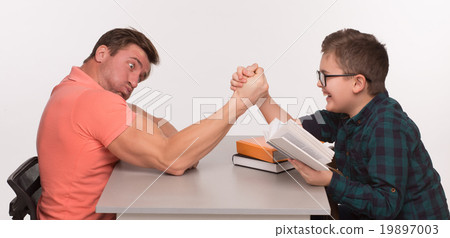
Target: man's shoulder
[
  {"x": 68, "y": 92},
  {"x": 95, "y": 101},
  {"x": 99, "y": 95}
]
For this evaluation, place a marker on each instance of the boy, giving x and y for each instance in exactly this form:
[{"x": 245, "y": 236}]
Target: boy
[{"x": 387, "y": 172}]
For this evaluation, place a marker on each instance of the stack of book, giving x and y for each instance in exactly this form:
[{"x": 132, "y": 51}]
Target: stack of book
[
  {"x": 282, "y": 141},
  {"x": 255, "y": 153}
]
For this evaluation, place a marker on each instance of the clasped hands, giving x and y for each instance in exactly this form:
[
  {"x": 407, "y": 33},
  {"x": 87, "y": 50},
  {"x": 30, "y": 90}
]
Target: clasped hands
[{"x": 243, "y": 82}]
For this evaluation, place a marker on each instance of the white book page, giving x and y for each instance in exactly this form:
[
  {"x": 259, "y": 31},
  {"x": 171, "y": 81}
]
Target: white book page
[
  {"x": 306, "y": 147},
  {"x": 291, "y": 150},
  {"x": 293, "y": 127},
  {"x": 302, "y": 139}
]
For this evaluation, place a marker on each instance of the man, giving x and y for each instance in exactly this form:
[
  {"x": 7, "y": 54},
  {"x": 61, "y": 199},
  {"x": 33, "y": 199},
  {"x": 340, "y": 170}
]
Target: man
[
  {"x": 387, "y": 172},
  {"x": 87, "y": 127}
]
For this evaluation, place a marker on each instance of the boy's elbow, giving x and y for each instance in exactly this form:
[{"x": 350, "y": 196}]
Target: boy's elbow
[
  {"x": 393, "y": 212},
  {"x": 389, "y": 212}
]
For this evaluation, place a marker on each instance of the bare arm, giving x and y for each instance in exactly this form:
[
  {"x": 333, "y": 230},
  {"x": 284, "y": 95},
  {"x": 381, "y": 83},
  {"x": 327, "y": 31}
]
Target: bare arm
[
  {"x": 270, "y": 109},
  {"x": 165, "y": 126},
  {"x": 184, "y": 149},
  {"x": 158, "y": 124}
]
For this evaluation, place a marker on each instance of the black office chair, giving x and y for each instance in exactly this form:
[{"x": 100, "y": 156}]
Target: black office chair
[{"x": 26, "y": 183}]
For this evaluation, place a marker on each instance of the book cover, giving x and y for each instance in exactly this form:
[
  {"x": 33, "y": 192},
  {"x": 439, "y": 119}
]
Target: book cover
[
  {"x": 297, "y": 143},
  {"x": 256, "y": 147},
  {"x": 245, "y": 161}
]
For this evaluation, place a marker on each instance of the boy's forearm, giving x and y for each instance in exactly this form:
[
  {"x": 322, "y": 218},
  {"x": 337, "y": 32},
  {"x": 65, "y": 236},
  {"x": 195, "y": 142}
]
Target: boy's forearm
[{"x": 271, "y": 110}]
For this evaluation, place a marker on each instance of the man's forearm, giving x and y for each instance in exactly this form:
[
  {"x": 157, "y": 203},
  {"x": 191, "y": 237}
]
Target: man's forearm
[
  {"x": 184, "y": 149},
  {"x": 192, "y": 143}
]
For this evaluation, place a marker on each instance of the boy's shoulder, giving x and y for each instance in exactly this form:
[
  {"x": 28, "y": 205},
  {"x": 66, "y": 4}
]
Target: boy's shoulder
[
  {"x": 387, "y": 107},
  {"x": 387, "y": 112}
]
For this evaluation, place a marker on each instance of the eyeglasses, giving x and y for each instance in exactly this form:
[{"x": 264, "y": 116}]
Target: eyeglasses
[{"x": 323, "y": 77}]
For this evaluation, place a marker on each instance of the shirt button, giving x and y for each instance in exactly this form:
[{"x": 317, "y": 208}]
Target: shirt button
[
  {"x": 347, "y": 153},
  {"x": 358, "y": 122},
  {"x": 393, "y": 190}
]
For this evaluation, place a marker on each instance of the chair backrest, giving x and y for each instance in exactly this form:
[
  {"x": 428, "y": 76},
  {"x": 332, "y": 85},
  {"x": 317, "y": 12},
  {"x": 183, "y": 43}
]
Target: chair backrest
[{"x": 25, "y": 182}]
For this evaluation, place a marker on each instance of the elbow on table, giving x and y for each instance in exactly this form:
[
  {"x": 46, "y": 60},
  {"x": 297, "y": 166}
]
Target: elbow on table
[
  {"x": 177, "y": 168},
  {"x": 171, "y": 163},
  {"x": 164, "y": 165},
  {"x": 176, "y": 171},
  {"x": 174, "y": 166}
]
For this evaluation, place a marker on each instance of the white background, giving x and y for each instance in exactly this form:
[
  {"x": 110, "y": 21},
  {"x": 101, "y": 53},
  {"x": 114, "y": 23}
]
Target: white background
[{"x": 201, "y": 43}]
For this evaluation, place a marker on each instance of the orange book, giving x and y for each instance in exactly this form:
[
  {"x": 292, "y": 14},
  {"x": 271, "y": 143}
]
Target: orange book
[{"x": 256, "y": 147}]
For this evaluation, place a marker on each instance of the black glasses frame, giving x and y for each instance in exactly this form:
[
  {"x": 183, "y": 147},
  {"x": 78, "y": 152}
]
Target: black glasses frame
[{"x": 323, "y": 77}]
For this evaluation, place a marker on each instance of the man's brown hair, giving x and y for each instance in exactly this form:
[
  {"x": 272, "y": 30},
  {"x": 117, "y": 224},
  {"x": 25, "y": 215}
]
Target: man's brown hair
[
  {"x": 359, "y": 53},
  {"x": 120, "y": 38}
]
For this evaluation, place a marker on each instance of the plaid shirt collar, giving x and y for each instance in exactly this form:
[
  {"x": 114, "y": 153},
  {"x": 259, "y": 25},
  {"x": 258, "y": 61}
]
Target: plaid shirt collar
[{"x": 367, "y": 111}]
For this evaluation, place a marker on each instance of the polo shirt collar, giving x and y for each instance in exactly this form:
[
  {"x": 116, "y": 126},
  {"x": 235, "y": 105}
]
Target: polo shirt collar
[{"x": 79, "y": 76}]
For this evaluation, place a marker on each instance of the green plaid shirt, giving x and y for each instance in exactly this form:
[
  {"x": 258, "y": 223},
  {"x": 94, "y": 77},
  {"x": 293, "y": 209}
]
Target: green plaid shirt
[{"x": 387, "y": 171}]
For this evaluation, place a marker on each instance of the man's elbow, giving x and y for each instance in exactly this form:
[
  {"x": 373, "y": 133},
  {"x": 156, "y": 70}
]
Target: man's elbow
[
  {"x": 168, "y": 163},
  {"x": 176, "y": 171},
  {"x": 173, "y": 167}
]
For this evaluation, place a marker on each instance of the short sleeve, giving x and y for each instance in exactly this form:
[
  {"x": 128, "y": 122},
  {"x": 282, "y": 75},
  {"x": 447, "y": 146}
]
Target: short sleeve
[{"x": 101, "y": 115}]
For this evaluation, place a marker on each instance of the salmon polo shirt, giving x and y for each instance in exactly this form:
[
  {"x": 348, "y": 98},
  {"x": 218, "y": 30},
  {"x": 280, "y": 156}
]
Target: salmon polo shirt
[{"x": 80, "y": 120}]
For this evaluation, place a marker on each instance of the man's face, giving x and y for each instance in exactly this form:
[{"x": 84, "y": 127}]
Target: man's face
[
  {"x": 122, "y": 72},
  {"x": 338, "y": 92}
]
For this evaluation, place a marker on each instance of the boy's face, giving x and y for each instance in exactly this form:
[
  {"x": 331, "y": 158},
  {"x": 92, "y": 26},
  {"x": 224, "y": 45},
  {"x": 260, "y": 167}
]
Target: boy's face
[{"x": 339, "y": 93}]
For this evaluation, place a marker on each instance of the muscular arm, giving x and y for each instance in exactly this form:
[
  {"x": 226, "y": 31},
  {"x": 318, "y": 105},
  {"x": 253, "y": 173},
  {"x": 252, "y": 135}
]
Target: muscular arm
[
  {"x": 182, "y": 150},
  {"x": 159, "y": 125}
]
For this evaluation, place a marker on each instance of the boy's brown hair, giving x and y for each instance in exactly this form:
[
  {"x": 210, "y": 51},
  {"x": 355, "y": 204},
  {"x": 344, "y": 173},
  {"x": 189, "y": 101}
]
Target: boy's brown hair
[
  {"x": 120, "y": 38},
  {"x": 359, "y": 53}
]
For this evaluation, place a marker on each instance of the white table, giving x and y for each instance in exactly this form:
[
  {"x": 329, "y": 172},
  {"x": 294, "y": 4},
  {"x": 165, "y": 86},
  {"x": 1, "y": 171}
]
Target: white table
[{"x": 215, "y": 190}]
